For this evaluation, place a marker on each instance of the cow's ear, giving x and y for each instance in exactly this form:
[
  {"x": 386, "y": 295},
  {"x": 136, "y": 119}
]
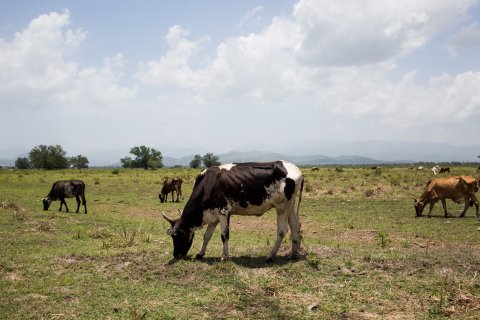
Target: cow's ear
[{"x": 172, "y": 222}]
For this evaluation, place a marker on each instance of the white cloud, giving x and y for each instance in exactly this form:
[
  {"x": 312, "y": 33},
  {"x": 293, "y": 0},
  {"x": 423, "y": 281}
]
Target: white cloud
[{"x": 347, "y": 33}]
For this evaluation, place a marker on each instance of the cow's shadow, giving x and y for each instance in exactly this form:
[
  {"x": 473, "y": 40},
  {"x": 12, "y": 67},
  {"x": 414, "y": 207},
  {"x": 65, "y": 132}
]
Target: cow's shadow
[
  {"x": 450, "y": 216},
  {"x": 246, "y": 261},
  {"x": 253, "y": 262}
]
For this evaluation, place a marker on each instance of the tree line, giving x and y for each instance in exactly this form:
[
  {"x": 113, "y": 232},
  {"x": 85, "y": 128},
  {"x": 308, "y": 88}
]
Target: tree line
[{"x": 55, "y": 157}]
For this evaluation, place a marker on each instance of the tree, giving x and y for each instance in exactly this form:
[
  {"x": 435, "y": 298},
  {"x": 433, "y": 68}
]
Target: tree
[
  {"x": 79, "y": 162},
  {"x": 196, "y": 162},
  {"x": 22, "y": 163},
  {"x": 145, "y": 157},
  {"x": 48, "y": 157},
  {"x": 210, "y": 160}
]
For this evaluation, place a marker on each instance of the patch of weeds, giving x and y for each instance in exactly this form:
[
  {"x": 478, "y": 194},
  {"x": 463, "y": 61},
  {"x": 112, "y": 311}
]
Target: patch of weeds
[
  {"x": 11, "y": 205},
  {"x": 96, "y": 181},
  {"x": 44, "y": 226},
  {"x": 383, "y": 239},
  {"x": 369, "y": 193},
  {"x": 128, "y": 238},
  {"x": 313, "y": 260},
  {"x": 115, "y": 171},
  {"x": 100, "y": 233}
]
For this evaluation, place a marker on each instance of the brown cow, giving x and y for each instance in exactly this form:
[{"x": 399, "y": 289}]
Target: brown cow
[
  {"x": 66, "y": 189},
  {"x": 456, "y": 188},
  {"x": 171, "y": 185}
]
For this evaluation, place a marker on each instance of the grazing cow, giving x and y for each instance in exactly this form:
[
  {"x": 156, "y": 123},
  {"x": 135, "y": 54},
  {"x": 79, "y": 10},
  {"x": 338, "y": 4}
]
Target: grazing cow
[
  {"x": 315, "y": 169},
  {"x": 171, "y": 185},
  {"x": 444, "y": 169},
  {"x": 420, "y": 168},
  {"x": 457, "y": 188},
  {"x": 239, "y": 189},
  {"x": 66, "y": 189},
  {"x": 435, "y": 170}
]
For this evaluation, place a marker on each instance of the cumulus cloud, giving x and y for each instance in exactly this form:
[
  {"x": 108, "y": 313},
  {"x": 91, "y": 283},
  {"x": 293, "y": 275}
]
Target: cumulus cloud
[
  {"x": 333, "y": 57},
  {"x": 36, "y": 69}
]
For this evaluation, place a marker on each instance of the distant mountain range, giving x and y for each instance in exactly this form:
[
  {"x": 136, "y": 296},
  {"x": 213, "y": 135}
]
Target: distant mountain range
[
  {"x": 259, "y": 156},
  {"x": 309, "y": 153}
]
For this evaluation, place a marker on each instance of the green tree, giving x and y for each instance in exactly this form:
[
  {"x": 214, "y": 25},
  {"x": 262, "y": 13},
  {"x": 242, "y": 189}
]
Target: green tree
[
  {"x": 79, "y": 162},
  {"x": 48, "y": 157},
  {"x": 22, "y": 163},
  {"x": 196, "y": 162},
  {"x": 210, "y": 160},
  {"x": 145, "y": 157}
]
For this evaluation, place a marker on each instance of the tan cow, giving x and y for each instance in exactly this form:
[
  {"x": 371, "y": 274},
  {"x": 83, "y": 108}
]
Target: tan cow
[{"x": 456, "y": 188}]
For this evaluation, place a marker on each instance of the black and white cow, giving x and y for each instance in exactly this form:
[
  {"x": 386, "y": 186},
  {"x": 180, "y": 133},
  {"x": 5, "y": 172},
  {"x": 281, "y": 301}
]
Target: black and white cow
[
  {"x": 239, "y": 189},
  {"x": 66, "y": 189}
]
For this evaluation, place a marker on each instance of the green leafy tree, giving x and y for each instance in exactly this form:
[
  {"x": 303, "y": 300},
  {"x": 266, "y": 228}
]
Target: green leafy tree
[
  {"x": 196, "y": 162},
  {"x": 22, "y": 163},
  {"x": 145, "y": 157},
  {"x": 210, "y": 160},
  {"x": 48, "y": 157},
  {"x": 79, "y": 162}
]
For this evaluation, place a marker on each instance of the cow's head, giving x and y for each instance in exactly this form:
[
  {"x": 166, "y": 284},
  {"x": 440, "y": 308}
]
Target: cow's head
[
  {"x": 162, "y": 197},
  {"x": 46, "y": 203},
  {"x": 419, "y": 205},
  {"x": 182, "y": 238}
]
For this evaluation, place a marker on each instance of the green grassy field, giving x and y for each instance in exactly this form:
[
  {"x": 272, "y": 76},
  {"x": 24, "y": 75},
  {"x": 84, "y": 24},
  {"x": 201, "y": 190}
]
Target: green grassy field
[{"x": 366, "y": 256}]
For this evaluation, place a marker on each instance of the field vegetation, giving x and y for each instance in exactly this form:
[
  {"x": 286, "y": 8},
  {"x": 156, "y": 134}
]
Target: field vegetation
[{"x": 365, "y": 255}]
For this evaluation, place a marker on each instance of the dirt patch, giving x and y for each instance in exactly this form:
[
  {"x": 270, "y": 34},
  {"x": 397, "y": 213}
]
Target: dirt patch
[{"x": 13, "y": 277}]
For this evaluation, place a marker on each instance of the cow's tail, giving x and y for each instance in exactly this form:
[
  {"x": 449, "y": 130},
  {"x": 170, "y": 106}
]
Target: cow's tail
[{"x": 300, "y": 197}]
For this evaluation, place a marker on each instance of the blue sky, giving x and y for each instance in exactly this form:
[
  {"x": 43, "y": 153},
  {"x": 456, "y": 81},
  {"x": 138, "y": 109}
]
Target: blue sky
[{"x": 228, "y": 75}]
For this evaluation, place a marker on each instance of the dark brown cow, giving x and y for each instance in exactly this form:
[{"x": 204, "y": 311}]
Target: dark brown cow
[
  {"x": 171, "y": 185},
  {"x": 66, "y": 189},
  {"x": 457, "y": 188},
  {"x": 444, "y": 169}
]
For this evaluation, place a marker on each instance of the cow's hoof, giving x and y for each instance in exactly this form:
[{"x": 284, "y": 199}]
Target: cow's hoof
[
  {"x": 223, "y": 258},
  {"x": 294, "y": 257},
  {"x": 269, "y": 260},
  {"x": 199, "y": 256}
]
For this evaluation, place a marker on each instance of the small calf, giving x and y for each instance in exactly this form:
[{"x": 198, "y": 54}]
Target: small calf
[{"x": 66, "y": 189}]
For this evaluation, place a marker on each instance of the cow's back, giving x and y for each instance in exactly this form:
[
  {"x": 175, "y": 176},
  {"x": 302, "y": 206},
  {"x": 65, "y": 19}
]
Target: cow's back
[{"x": 455, "y": 187}]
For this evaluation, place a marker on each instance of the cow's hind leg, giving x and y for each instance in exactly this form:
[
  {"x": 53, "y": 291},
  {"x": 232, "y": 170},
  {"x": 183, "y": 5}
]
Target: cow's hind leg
[
  {"x": 475, "y": 202},
  {"x": 84, "y": 202},
  {"x": 282, "y": 229},
  {"x": 294, "y": 223},
  {"x": 78, "y": 203},
  {"x": 206, "y": 238}
]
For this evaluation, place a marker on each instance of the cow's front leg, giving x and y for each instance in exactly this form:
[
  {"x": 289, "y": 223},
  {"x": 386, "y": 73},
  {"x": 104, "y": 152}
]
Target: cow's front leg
[
  {"x": 282, "y": 229},
  {"x": 431, "y": 208},
  {"x": 224, "y": 218},
  {"x": 63, "y": 202},
  {"x": 206, "y": 238},
  {"x": 444, "y": 205}
]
